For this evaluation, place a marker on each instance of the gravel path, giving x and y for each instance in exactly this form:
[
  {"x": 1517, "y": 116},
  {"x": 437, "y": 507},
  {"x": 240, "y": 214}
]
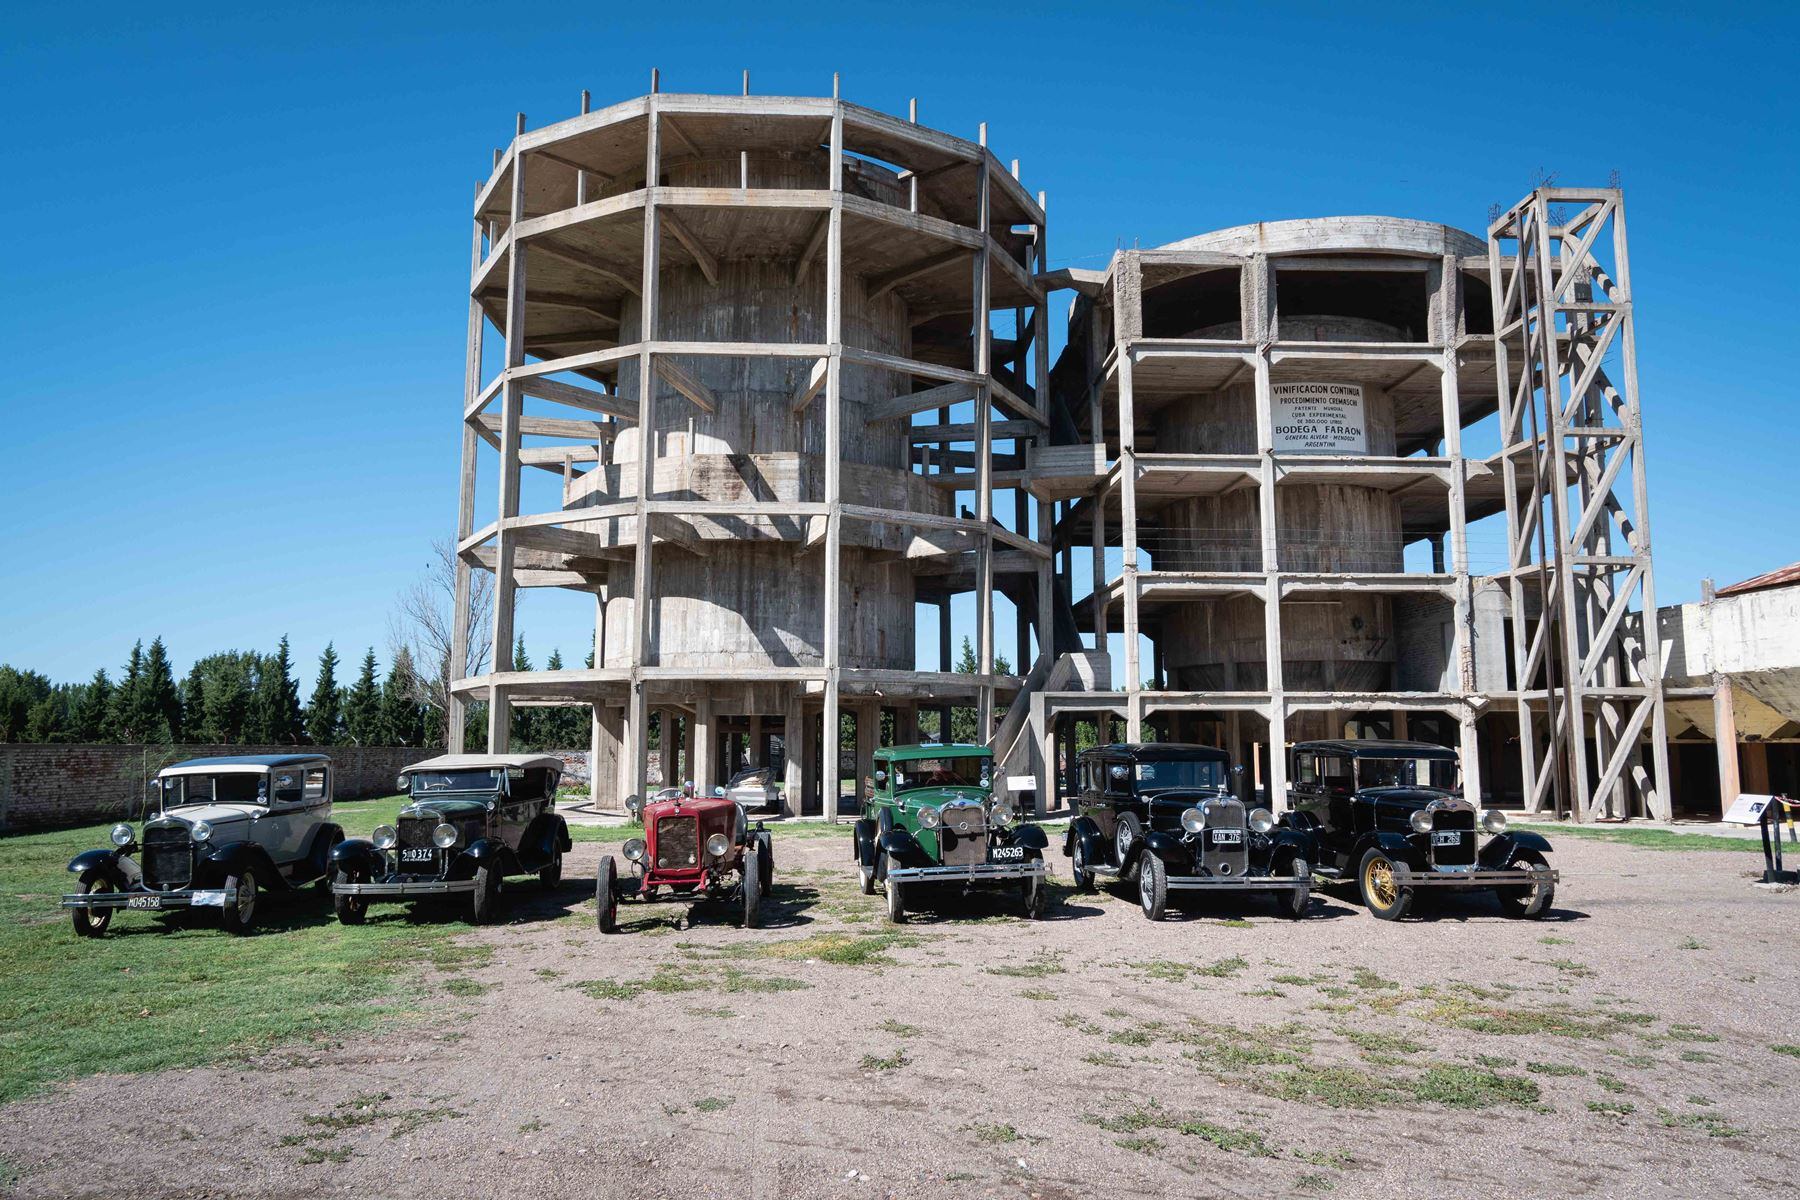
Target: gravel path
[{"x": 1619, "y": 1048}]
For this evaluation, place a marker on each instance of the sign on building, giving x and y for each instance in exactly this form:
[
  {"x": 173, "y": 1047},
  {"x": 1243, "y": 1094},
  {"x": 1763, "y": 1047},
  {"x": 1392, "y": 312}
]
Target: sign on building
[{"x": 1319, "y": 418}]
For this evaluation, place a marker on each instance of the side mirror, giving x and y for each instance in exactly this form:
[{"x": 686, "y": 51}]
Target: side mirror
[
  {"x": 1118, "y": 772},
  {"x": 400, "y": 784}
]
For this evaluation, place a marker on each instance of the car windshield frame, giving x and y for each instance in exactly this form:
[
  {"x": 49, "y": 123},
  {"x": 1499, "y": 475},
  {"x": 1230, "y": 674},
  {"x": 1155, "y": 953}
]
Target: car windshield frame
[
  {"x": 465, "y": 781},
  {"x": 1183, "y": 774},
  {"x": 242, "y": 787},
  {"x": 1404, "y": 771},
  {"x": 951, "y": 771}
]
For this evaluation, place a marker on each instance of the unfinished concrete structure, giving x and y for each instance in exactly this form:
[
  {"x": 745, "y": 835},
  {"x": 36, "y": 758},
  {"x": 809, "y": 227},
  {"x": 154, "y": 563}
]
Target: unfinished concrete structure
[
  {"x": 718, "y": 317},
  {"x": 1276, "y": 416}
]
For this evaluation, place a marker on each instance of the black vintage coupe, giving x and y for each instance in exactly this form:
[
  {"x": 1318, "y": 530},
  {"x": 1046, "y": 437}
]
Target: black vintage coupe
[
  {"x": 1163, "y": 815},
  {"x": 471, "y": 820},
  {"x": 1388, "y": 817}
]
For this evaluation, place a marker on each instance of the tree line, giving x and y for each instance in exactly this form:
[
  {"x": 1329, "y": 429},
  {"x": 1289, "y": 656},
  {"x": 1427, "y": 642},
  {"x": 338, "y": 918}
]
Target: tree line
[{"x": 247, "y": 698}]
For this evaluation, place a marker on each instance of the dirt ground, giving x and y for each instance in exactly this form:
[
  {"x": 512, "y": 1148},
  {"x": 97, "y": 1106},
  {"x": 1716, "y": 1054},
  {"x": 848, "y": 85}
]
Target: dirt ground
[{"x": 1622, "y": 1047}]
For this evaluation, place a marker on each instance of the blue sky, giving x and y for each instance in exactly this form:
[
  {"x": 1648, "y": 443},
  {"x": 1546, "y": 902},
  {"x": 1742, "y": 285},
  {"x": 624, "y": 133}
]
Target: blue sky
[{"x": 235, "y": 309}]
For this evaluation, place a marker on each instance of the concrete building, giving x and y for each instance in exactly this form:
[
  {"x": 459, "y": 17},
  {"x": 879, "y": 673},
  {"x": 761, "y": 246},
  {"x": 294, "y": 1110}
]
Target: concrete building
[{"x": 717, "y": 320}]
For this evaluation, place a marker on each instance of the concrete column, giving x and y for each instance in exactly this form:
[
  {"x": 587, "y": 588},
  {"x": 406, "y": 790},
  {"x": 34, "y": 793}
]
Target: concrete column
[
  {"x": 868, "y": 736},
  {"x": 1725, "y": 737},
  {"x": 793, "y": 777},
  {"x": 759, "y": 756},
  {"x": 1755, "y": 767},
  {"x": 1471, "y": 760},
  {"x": 634, "y": 731},
  {"x": 811, "y": 761},
  {"x": 704, "y": 737},
  {"x": 606, "y": 762},
  {"x": 906, "y": 725}
]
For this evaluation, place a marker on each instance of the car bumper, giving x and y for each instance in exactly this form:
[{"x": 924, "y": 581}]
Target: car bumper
[
  {"x": 148, "y": 901},
  {"x": 1240, "y": 883},
  {"x": 400, "y": 889},
  {"x": 1474, "y": 877},
  {"x": 973, "y": 873}
]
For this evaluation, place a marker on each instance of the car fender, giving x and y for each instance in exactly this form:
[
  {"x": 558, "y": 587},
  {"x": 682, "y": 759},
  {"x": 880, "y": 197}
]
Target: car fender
[
  {"x": 1393, "y": 844},
  {"x": 1164, "y": 845},
  {"x": 1501, "y": 848},
  {"x": 1032, "y": 837},
  {"x": 862, "y": 842},
  {"x": 105, "y": 861},
  {"x": 229, "y": 861},
  {"x": 903, "y": 846},
  {"x": 486, "y": 852},
  {"x": 318, "y": 855},
  {"x": 1086, "y": 829},
  {"x": 1289, "y": 841},
  {"x": 357, "y": 855},
  {"x": 547, "y": 834}
]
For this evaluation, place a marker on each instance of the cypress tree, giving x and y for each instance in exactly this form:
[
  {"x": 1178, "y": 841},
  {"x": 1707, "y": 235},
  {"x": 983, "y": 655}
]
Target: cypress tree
[
  {"x": 277, "y": 701},
  {"x": 228, "y": 697},
  {"x": 324, "y": 722},
  {"x": 91, "y": 708},
  {"x": 525, "y": 732},
  {"x": 161, "y": 702},
  {"x": 401, "y": 723},
  {"x": 127, "y": 718},
  {"x": 362, "y": 705},
  {"x": 193, "y": 704}
]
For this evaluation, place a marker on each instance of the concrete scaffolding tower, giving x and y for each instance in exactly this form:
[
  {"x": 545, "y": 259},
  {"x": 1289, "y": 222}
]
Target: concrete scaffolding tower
[
  {"x": 775, "y": 318},
  {"x": 1263, "y": 540}
]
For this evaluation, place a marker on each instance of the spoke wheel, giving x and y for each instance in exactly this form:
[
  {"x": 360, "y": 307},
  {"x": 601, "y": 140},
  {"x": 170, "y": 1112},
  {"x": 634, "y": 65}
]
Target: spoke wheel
[
  {"x": 896, "y": 894},
  {"x": 1532, "y": 901},
  {"x": 1037, "y": 891},
  {"x": 1084, "y": 876},
  {"x": 1292, "y": 904},
  {"x": 92, "y": 922},
  {"x": 484, "y": 906},
  {"x": 1153, "y": 886},
  {"x": 1380, "y": 887},
  {"x": 351, "y": 910},
  {"x": 239, "y": 913},
  {"x": 551, "y": 876}
]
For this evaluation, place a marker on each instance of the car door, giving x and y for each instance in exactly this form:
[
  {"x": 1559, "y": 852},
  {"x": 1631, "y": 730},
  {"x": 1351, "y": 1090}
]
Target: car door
[{"x": 278, "y": 829}]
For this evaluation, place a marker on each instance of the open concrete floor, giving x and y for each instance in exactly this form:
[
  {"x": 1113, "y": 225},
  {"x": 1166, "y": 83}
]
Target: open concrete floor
[{"x": 1622, "y": 1047}]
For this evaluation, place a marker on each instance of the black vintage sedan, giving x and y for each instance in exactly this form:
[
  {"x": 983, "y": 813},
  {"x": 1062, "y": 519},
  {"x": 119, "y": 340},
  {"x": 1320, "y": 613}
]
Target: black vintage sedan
[
  {"x": 471, "y": 821},
  {"x": 1389, "y": 817},
  {"x": 1163, "y": 815}
]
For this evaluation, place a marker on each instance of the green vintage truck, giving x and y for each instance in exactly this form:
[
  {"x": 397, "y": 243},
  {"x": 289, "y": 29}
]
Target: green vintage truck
[{"x": 931, "y": 821}]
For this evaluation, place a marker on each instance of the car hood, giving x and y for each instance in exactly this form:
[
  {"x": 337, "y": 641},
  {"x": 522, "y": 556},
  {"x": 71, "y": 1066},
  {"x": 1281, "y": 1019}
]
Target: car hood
[
  {"x": 213, "y": 814},
  {"x": 937, "y": 797},
  {"x": 447, "y": 810},
  {"x": 1407, "y": 798}
]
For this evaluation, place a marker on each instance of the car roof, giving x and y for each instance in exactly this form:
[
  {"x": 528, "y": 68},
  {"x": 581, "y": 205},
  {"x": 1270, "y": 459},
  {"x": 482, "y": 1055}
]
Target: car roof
[
  {"x": 476, "y": 762},
  {"x": 1162, "y": 752},
  {"x": 930, "y": 750},
  {"x": 246, "y": 763},
  {"x": 1378, "y": 748}
]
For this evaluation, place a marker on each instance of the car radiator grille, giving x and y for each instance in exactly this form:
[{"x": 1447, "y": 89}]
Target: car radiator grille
[
  {"x": 962, "y": 839},
  {"x": 1226, "y": 858},
  {"x": 677, "y": 843},
  {"x": 168, "y": 858},
  {"x": 1463, "y": 853},
  {"x": 416, "y": 831}
]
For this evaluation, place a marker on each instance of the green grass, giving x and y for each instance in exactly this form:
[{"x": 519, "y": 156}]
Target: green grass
[
  {"x": 1650, "y": 839},
  {"x": 712, "y": 1104},
  {"x": 1784, "y": 1048},
  {"x": 892, "y": 1062},
  {"x": 993, "y": 1135},
  {"x": 160, "y": 993}
]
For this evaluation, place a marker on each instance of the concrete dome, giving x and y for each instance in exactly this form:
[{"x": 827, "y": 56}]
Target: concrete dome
[{"x": 1389, "y": 235}]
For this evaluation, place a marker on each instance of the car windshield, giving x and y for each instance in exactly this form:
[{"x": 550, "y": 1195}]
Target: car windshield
[
  {"x": 971, "y": 771},
  {"x": 425, "y": 783},
  {"x": 1174, "y": 774},
  {"x": 237, "y": 787},
  {"x": 1407, "y": 772}
]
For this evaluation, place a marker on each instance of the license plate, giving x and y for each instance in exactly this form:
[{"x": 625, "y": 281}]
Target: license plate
[
  {"x": 1449, "y": 837},
  {"x": 1008, "y": 854},
  {"x": 1228, "y": 837},
  {"x": 418, "y": 854},
  {"x": 144, "y": 902}
]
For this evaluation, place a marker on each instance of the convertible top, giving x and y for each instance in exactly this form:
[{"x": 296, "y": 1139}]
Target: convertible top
[{"x": 1374, "y": 748}]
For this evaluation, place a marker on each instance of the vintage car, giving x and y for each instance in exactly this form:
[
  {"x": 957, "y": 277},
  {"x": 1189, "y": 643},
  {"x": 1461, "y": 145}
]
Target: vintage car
[
  {"x": 755, "y": 789},
  {"x": 694, "y": 847},
  {"x": 225, "y": 830},
  {"x": 1389, "y": 817},
  {"x": 931, "y": 819},
  {"x": 1163, "y": 814},
  {"x": 471, "y": 821}
]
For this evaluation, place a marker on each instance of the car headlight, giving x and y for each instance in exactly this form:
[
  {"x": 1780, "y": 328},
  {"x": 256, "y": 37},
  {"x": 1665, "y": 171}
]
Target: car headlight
[
  {"x": 400, "y": 784},
  {"x": 717, "y": 845},
  {"x": 444, "y": 836},
  {"x": 1262, "y": 820},
  {"x": 385, "y": 837},
  {"x": 121, "y": 834},
  {"x": 634, "y": 849},
  {"x": 200, "y": 831},
  {"x": 1494, "y": 821},
  {"x": 1421, "y": 821},
  {"x": 1193, "y": 820},
  {"x": 930, "y": 818},
  {"x": 1001, "y": 816}
]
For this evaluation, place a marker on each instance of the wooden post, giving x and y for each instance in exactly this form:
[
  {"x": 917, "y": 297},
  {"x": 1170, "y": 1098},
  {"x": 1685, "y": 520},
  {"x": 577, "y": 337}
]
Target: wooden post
[
  {"x": 512, "y": 408},
  {"x": 457, "y": 715}
]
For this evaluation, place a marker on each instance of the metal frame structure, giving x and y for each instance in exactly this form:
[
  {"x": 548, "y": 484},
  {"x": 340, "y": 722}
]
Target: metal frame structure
[
  {"x": 1578, "y": 523},
  {"x": 553, "y": 183}
]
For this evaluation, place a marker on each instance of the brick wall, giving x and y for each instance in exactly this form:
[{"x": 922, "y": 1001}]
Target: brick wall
[{"x": 51, "y": 786}]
